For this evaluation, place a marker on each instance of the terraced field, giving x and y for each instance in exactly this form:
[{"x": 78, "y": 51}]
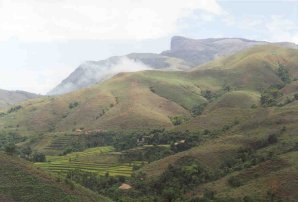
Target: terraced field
[{"x": 99, "y": 160}]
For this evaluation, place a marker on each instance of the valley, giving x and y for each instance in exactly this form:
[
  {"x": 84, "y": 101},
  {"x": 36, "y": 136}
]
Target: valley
[{"x": 221, "y": 131}]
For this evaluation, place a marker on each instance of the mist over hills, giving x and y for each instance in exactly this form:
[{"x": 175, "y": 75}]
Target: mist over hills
[
  {"x": 185, "y": 53},
  {"x": 92, "y": 72}
]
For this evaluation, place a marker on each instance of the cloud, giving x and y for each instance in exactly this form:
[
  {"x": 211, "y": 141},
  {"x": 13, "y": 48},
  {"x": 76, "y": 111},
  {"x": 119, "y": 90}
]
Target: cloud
[
  {"x": 47, "y": 20},
  {"x": 282, "y": 29},
  {"x": 275, "y": 28},
  {"x": 94, "y": 72}
]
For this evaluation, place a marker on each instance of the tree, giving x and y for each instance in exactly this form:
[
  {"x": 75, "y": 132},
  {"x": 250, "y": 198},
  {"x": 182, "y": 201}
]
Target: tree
[
  {"x": 269, "y": 96},
  {"x": 208, "y": 94},
  {"x": 26, "y": 151},
  {"x": 10, "y": 148},
  {"x": 170, "y": 193},
  {"x": 39, "y": 157},
  {"x": 73, "y": 104},
  {"x": 283, "y": 74},
  {"x": 234, "y": 181},
  {"x": 198, "y": 109}
]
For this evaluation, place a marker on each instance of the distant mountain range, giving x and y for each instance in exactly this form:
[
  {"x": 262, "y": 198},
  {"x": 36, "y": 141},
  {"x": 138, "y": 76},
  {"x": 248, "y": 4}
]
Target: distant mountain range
[
  {"x": 199, "y": 51},
  {"x": 8, "y": 98},
  {"x": 184, "y": 54}
]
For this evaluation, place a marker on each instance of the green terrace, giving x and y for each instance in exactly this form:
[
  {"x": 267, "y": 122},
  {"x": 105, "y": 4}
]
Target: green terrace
[{"x": 100, "y": 160}]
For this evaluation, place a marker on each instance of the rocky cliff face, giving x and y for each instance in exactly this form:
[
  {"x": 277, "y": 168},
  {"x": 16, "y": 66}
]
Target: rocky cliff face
[{"x": 199, "y": 51}]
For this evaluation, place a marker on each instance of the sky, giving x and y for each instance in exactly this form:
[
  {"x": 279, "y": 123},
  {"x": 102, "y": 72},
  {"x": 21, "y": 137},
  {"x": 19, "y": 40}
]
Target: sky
[{"x": 43, "y": 41}]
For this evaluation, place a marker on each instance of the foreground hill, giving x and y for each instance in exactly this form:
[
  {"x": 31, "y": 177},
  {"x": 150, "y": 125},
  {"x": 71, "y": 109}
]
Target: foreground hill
[
  {"x": 8, "y": 98},
  {"x": 20, "y": 181}
]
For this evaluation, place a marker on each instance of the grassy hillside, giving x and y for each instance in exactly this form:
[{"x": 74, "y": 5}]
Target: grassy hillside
[
  {"x": 20, "y": 181},
  {"x": 148, "y": 99},
  {"x": 229, "y": 128},
  {"x": 266, "y": 166}
]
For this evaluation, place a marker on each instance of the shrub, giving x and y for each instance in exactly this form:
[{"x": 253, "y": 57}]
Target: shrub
[
  {"x": 73, "y": 104},
  {"x": 198, "y": 109},
  {"x": 26, "y": 152},
  {"x": 10, "y": 148},
  {"x": 177, "y": 120},
  {"x": 253, "y": 106},
  {"x": 209, "y": 194},
  {"x": 272, "y": 139},
  {"x": 234, "y": 181},
  {"x": 38, "y": 157},
  {"x": 283, "y": 74},
  {"x": 269, "y": 96},
  {"x": 208, "y": 94},
  {"x": 14, "y": 109}
]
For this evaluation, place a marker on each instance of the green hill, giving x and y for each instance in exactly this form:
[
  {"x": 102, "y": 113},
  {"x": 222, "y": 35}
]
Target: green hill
[{"x": 143, "y": 100}]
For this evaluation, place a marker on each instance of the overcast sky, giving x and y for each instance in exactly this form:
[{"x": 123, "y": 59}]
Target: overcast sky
[{"x": 42, "y": 41}]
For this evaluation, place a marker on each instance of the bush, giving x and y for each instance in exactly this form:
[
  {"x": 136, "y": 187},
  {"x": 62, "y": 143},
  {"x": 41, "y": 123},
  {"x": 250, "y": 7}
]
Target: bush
[
  {"x": 234, "y": 181},
  {"x": 26, "y": 152},
  {"x": 269, "y": 96},
  {"x": 38, "y": 157},
  {"x": 208, "y": 94},
  {"x": 10, "y": 148},
  {"x": 272, "y": 139},
  {"x": 73, "y": 104},
  {"x": 283, "y": 74},
  {"x": 14, "y": 109},
  {"x": 209, "y": 194},
  {"x": 198, "y": 109},
  {"x": 177, "y": 120}
]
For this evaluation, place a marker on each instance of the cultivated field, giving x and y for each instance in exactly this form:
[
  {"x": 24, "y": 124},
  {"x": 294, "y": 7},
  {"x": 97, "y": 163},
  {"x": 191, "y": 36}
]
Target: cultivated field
[{"x": 100, "y": 160}]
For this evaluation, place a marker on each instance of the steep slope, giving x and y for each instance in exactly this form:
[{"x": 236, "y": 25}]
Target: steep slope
[
  {"x": 20, "y": 181},
  {"x": 8, "y": 98},
  {"x": 199, "y": 51}
]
